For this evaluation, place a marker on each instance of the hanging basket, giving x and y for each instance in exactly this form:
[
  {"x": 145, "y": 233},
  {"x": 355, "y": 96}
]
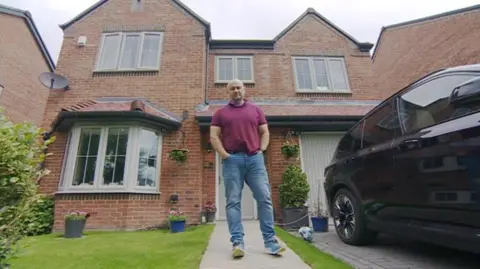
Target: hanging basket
[
  {"x": 179, "y": 155},
  {"x": 290, "y": 150}
]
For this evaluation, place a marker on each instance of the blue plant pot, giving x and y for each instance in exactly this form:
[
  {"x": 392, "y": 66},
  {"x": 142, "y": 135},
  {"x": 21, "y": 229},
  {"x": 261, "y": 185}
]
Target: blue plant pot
[
  {"x": 320, "y": 224},
  {"x": 177, "y": 226}
]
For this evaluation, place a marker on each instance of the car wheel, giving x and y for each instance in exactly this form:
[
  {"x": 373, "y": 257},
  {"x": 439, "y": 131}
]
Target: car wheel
[{"x": 349, "y": 219}]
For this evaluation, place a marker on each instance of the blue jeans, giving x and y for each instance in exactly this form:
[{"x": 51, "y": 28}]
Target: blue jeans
[{"x": 238, "y": 169}]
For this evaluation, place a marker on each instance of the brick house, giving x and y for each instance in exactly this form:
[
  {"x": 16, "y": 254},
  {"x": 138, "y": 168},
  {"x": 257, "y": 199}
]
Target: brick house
[
  {"x": 409, "y": 50},
  {"x": 23, "y": 56},
  {"x": 148, "y": 81}
]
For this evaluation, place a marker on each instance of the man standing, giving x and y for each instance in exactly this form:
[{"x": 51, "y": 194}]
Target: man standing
[{"x": 239, "y": 133}]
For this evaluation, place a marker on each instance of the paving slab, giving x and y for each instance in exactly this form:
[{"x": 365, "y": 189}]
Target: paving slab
[
  {"x": 218, "y": 253},
  {"x": 394, "y": 253}
]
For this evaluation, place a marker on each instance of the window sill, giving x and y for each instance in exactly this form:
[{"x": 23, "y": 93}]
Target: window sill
[
  {"x": 226, "y": 82},
  {"x": 323, "y": 92},
  {"x": 126, "y": 70},
  {"x": 106, "y": 191}
]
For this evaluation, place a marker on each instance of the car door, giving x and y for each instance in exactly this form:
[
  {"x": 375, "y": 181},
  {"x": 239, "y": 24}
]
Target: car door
[
  {"x": 434, "y": 155},
  {"x": 378, "y": 178}
]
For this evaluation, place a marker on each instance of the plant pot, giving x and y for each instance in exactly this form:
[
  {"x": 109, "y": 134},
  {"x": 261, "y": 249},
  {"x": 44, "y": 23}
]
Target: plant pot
[
  {"x": 74, "y": 228},
  {"x": 320, "y": 224},
  {"x": 177, "y": 226},
  {"x": 295, "y": 217},
  {"x": 210, "y": 216}
]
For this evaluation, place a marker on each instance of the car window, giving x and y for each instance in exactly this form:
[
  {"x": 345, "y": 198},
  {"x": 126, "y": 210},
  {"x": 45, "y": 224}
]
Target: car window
[
  {"x": 428, "y": 104},
  {"x": 382, "y": 125},
  {"x": 349, "y": 143}
]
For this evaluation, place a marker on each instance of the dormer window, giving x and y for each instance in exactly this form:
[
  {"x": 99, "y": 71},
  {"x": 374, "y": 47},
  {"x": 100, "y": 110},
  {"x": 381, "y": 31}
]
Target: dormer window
[{"x": 130, "y": 51}]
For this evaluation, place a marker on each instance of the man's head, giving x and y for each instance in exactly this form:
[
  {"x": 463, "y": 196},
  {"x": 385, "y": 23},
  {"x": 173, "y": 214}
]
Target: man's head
[{"x": 236, "y": 90}]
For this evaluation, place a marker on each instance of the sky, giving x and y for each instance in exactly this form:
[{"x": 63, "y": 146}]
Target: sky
[{"x": 256, "y": 19}]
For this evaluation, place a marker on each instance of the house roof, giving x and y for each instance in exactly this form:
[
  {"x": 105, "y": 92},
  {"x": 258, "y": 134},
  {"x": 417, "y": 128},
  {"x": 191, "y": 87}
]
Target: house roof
[
  {"x": 122, "y": 108},
  {"x": 102, "y": 2},
  {"x": 311, "y": 11},
  {"x": 299, "y": 108},
  {"x": 33, "y": 28},
  {"x": 420, "y": 20},
  {"x": 319, "y": 115}
]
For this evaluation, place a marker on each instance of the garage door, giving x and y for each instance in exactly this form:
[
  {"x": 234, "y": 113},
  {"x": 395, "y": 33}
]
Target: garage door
[{"x": 316, "y": 153}]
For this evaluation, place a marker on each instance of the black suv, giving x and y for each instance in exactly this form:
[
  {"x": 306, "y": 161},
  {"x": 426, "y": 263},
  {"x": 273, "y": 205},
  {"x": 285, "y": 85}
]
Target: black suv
[{"x": 411, "y": 166}]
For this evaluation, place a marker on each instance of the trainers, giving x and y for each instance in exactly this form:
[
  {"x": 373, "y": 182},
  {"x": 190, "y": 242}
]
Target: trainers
[
  {"x": 238, "y": 250},
  {"x": 274, "y": 248}
]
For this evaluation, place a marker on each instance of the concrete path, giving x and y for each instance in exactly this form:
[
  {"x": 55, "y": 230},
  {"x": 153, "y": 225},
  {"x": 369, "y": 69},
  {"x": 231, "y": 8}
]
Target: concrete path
[
  {"x": 393, "y": 253},
  {"x": 218, "y": 254}
]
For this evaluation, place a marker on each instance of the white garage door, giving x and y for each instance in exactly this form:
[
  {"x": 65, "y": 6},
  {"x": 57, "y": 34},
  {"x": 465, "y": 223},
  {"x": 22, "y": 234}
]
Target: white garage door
[{"x": 316, "y": 153}]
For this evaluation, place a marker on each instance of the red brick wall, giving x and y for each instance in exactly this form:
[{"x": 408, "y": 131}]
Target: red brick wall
[
  {"x": 24, "y": 98},
  {"x": 405, "y": 54},
  {"x": 274, "y": 74},
  {"x": 178, "y": 87}
]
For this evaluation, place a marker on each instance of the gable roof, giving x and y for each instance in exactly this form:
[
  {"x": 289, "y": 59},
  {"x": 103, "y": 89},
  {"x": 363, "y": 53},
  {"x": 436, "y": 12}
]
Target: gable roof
[
  {"x": 420, "y": 20},
  {"x": 311, "y": 11},
  {"x": 102, "y": 2},
  {"x": 33, "y": 29}
]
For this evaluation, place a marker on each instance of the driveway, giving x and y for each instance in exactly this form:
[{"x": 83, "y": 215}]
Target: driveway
[{"x": 393, "y": 253}]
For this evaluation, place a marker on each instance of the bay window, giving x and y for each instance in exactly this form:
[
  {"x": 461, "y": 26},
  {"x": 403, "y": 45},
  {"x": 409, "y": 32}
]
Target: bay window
[{"x": 103, "y": 158}]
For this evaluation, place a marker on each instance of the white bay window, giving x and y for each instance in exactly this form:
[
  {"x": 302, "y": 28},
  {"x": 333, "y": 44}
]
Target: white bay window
[
  {"x": 130, "y": 51},
  {"x": 320, "y": 74},
  {"x": 113, "y": 158}
]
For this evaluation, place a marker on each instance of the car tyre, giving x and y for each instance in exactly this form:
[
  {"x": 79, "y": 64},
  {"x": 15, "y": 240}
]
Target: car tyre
[{"x": 349, "y": 219}]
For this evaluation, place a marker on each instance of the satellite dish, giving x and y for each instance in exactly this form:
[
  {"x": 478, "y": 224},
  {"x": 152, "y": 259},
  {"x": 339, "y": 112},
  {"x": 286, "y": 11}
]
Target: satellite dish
[{"x": 53, "y": 81}]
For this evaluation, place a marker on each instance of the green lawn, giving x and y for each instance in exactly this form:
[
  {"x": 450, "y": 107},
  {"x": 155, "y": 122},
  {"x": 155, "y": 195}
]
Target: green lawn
[
  {"x": 309, "y": 253},
  {"x": 116, "y": 250}
]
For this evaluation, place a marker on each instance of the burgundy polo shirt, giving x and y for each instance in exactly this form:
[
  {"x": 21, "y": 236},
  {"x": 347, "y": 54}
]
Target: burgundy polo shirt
[{"x": 239, "y": 126}]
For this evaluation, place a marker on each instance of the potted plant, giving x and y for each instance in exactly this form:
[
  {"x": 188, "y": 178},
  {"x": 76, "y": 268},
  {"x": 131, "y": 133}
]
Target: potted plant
[
  {"x": 210, "y": 211},
  {"x": 290, "y": 149},
  {"x": 75, "y": 223},
  {"x": 179, "y": 155},
  {"x": 177, "y": 221},
  {"x": 293, "y": 197},
  {"x": 319, "y": 217}
]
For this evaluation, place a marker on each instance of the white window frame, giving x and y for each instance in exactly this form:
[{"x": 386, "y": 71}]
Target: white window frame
[
  {"x": 313, "y": 77},
  {"x": 131, "y": 161},
  {"x": 235, "y": 75},
  {"x": 120, "y": 49}
]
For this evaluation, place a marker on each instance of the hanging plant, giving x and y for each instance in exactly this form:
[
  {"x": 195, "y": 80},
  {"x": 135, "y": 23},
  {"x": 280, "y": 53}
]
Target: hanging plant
[
  {"x": 180, "y": 154},
  {"x": 290, "y": 150}
]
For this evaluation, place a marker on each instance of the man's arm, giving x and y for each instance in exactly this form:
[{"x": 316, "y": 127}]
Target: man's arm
[
  {"x": 263, "y": 130},
  {"x": 264, "y": 136},
  {"x": 215, "y": 132}
]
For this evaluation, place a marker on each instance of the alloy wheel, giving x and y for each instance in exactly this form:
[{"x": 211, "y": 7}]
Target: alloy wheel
[{"x": 344, "y": 216}]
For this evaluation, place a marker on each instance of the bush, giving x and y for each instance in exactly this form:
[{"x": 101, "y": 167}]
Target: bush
[
  {"x": 21, "y": 155},
  {"x": 41, "y": 217},
  {"x": 294, "y": 188}
]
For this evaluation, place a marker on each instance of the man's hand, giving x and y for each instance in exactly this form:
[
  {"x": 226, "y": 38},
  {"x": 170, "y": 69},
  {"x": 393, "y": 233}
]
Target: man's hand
[{"x": 225, "y": 156}]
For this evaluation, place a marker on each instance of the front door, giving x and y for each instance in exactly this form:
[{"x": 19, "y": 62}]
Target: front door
[{"x": 248, "y": 202}]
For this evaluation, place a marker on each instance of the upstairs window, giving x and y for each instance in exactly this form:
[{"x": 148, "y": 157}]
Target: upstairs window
[
  {"x": 320, "y": 74},
  {"x": 231, "y": 67},
  {"x": 130, "y": 51}
]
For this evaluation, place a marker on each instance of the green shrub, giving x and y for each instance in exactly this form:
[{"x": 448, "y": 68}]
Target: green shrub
[
  {"x": 41, "y": 217},
  {"x": 21, "y": 155},
  {"x": 294, "y": 188}
]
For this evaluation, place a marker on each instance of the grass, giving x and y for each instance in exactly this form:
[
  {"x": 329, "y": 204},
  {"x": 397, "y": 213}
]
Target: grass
[
  {"x": 309, "y": 253},
  {"x": 109, "y": 250}
]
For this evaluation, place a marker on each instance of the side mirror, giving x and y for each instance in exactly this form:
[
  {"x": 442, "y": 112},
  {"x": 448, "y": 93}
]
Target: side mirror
[{"x": 467, "y": 92}]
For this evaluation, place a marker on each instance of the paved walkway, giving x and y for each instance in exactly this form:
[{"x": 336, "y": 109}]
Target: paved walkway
[
  {"x": 394, "y": 253},
  {"x": 218, "y": 254}
]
